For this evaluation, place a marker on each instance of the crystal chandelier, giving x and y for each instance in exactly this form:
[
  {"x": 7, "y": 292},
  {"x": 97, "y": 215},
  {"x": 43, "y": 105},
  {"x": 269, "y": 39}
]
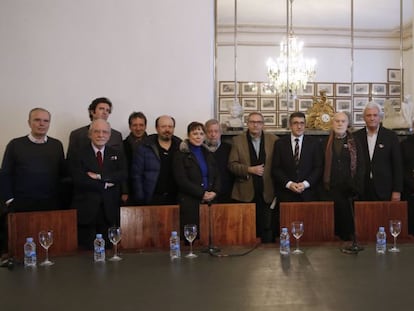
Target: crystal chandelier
[{"x": 291, "y": 71}]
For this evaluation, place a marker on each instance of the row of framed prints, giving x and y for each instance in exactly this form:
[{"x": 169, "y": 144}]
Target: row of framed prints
[
  {"x": 274, "y": 104},
  {"x": 263, "y": 89},
  {"x": 279, "y": 119}
]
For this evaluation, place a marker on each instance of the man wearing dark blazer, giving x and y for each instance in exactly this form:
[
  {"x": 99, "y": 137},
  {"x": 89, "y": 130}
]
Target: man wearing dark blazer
[
  {"x": 407, "y": 151},
  {"x": 250, "y": 162},
  {"x": 381, "y": 156},
  {"x": 221, "y": 151},
  {"x": 296, "y": 176},
  {"x": 98, "y": 171},
  {"x": 100, "y": 108}
]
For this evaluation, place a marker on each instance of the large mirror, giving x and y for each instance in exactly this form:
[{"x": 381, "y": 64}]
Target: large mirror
[{"x": 357, "y": 44}]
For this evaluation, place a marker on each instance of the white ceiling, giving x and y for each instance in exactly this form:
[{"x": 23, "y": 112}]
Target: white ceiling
[{"x": 368, "y": 14}]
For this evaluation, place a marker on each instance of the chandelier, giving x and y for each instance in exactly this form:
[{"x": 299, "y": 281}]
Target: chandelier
[{"x": 291, "y": 71}]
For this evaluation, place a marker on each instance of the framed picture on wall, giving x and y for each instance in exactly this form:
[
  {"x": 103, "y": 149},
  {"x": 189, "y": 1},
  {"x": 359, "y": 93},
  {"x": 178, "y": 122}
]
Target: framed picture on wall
[
  {"x": 266, "y": 89},
  {"x": 309, "y": 90},
  {"x": 283, "y": 104},
  {"x": 249, "y": 103},
  {"x": 283, "y": 119},
  {"x": 268, "y": 103},
  {"x": 224, "y": 118},
  {"x": 343, "y": 89},
  {"x": 305, "y": 103},
  {"x": 358, "y": 118},
  {"x": 394, "y": 75},
  {"x": 269, "y": 118},
  {"x": 379, "y": 100},
  {"x": 227, "y": 88},
  {"x": 225, "y": 103},
  {"x": 394, "y": 89},
  {"x": 328, "y": 87},
  {"x": 379, "y": 89},
  {"x": 249, "y": 88},
  {"x": 343, "y": 105},
  {"x": 361, "y": 88},
  {"x": 360, "y": 102}
]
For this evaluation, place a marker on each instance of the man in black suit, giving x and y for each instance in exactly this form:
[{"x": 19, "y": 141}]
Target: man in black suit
[
  {"x": 221, "y": 151},
  {"x": 297, "y": 163},
  {"x": 100, "y": 108},
  {"x": 381, "y": 157},
  {"x": 407, "y": 151},
  {"x": 98, "y": 171}
]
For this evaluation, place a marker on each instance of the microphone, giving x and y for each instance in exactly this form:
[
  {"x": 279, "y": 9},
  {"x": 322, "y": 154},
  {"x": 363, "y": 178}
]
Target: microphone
[
  {"x": 354, "y": 248},
  {"x": 211, "y": 249}
]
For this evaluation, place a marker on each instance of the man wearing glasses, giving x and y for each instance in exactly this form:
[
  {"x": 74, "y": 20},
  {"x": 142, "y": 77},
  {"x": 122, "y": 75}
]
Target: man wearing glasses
[
  {"x": 250, "y": 161},
  {"x": 297, "y": 163}
]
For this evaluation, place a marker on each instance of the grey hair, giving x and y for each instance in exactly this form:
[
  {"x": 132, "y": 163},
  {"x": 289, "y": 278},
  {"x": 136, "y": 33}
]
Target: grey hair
[{"x": 374, "y": 105}]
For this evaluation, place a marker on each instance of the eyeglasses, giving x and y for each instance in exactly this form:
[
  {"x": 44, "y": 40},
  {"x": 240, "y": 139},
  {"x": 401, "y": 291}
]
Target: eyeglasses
[{"x": 256, "y": 122}]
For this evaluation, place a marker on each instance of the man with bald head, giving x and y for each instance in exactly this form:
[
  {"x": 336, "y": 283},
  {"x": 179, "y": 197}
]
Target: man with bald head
[
  {"x": 343, "y": 177},
  {"x": 152, "y": 178},
  {"x": 98, "y": 172}
]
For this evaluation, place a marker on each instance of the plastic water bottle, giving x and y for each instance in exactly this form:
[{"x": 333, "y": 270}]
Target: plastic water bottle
[
  {"x": 99, "y": 248},
  {"x": 30, "y": 253},
  {"x": 284, "y": 242},
  {"x": 175, "y": 245},
  {"x": 381, "y": 241}
]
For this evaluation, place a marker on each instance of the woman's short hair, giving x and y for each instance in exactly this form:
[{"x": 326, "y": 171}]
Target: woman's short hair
[{"x": 195, "y": 126}]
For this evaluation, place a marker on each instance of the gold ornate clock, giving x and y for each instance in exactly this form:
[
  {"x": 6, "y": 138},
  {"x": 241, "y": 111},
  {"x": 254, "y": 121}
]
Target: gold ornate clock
[{"x": 320, "y": 115}]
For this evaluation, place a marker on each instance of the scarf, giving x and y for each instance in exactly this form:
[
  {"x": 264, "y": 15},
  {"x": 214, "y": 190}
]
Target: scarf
[{"x": 328, "y": 157}]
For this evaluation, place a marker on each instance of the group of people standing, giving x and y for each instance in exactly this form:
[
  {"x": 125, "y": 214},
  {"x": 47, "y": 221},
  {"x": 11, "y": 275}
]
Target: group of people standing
[{"x": 102, "y": 172}]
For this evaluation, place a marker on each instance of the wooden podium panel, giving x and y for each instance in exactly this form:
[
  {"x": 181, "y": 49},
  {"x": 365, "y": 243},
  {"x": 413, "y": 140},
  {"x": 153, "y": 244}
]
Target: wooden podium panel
[
  {"x": 148, "y": 226},
  {"x": 317, "y": 217},
  {"x": 62, "y": 222},
  {"x": 369, "y": 215},
  {"x": 231, "y": 224}
]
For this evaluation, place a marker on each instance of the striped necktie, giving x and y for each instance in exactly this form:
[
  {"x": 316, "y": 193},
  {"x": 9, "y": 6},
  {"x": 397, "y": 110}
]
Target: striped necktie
[{"x": 296, "y": 154}]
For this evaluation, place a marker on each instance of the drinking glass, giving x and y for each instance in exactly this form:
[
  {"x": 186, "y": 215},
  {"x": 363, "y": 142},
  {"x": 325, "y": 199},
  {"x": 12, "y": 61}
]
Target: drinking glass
[
  {"x": 395, "y": 230},
  {"x": 46, "y": 240},
  {"x": 114, "y": 235},
  {"x": 297, "y": 232},
  {"x": 190, "y": 233}
]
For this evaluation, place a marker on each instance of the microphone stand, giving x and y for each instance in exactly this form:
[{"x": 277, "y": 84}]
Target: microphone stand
[
  {"x": 354, "y": 248},
  {"x": 211, "y": 249}
]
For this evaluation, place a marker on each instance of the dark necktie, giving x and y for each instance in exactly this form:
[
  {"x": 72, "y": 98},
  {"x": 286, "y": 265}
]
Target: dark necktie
[
  {"x": 296, "y": 154},
  {"x": 99, "y": 158}
]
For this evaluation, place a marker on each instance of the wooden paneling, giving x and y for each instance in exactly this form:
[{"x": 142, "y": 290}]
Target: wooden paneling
[
  {"x": 148, "y": 226},
  {"x": 371, "y": 215},
  {"x": 64, "y": 226},
  {"x": 317, "y": 217},
  {"x": 231, "y": 224}
]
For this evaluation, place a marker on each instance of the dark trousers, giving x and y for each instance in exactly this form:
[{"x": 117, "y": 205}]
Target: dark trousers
[
  {"x": 3, "y": 228},
  {"x": 87, "y": 232},
  {"x": 163, "y": 199},
  {"x": 265, "y": 220}
]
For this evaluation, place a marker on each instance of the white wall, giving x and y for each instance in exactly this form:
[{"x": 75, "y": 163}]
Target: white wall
[{"x": 152, "y": 56}]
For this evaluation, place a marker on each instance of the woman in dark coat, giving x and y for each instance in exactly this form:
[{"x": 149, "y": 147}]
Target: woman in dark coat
[
  {"x": 343, "y": 174},
  {"x": 196, "y": 175}
]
